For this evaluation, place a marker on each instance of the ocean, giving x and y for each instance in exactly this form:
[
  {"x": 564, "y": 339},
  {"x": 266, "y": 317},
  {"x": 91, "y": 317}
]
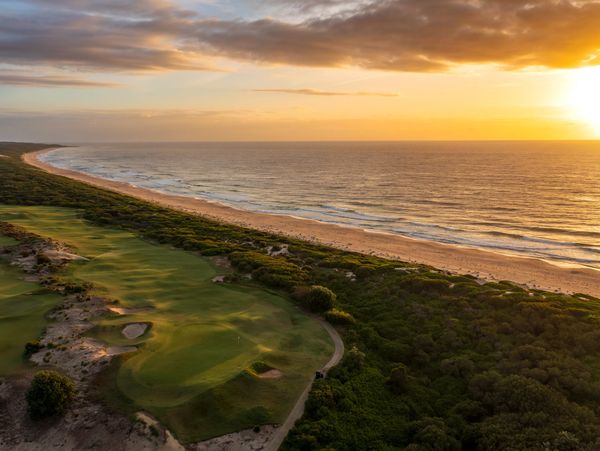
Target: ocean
[{"x": 530, "y": 199}]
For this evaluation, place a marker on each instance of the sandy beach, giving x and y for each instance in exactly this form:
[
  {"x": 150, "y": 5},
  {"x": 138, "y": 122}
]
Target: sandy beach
[{"x": 487, "y": 265}]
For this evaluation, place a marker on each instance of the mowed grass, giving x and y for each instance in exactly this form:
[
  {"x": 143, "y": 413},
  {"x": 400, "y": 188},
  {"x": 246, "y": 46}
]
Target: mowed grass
[
  {"x": 23, "y": 307},
  {"x": 189, "y": 369}
]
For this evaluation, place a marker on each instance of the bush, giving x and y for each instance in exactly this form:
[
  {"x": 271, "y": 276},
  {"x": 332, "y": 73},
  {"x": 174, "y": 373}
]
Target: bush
[
  {"x": 49, "y": 394},
  {"x": 31, "y": 347},
  {"x": 42, "y": 259},
  {"x": 316, "y": 298},
  {"x": 398, "y": 379},
  {"x": 335, "y": 316},
  {"x": 354, "y": 359}
]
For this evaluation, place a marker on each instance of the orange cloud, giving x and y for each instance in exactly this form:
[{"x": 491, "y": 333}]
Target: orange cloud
[{"x": 421, "y": 35}]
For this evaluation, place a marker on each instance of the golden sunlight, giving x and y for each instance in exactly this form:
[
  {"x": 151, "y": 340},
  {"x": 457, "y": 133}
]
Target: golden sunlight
[{"x": 584, "y": 96}]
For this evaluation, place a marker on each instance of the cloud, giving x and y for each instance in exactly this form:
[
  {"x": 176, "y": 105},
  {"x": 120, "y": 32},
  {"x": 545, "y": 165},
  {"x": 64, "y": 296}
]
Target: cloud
[
  {"x": 420, "y": 35},
  {"x": 142, "y": 35},
  {"x": 317, "y": 7},
  {"x": 52, "y": 81},
  {"x": 394, "y": 35},
  {"x": 318, "y": 92}
]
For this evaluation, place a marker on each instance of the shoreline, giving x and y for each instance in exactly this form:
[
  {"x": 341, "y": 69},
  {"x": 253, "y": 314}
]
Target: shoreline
[{"x": 531, "y": 272}]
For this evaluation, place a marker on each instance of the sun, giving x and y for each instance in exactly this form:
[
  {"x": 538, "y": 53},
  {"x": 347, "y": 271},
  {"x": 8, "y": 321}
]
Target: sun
[{"x": 584, "y": 96}]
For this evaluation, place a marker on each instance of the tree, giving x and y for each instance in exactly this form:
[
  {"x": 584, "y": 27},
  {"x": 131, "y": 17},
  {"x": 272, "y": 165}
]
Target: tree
[
  {"x": 398, "y": 379},
  {"x": 354, "y": 359},
  {"x": 49, "y": 394},
  {"x": 318, "y": 298}
]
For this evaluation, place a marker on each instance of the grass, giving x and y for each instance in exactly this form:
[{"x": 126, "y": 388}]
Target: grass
[
  {"x": 191, "y": 363},
  {"x": 7, "y": 241},
  {"x": 23, "y": 307}
]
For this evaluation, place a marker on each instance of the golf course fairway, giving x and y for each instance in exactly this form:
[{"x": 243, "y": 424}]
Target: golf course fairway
[{"x": 192, "y": 368}]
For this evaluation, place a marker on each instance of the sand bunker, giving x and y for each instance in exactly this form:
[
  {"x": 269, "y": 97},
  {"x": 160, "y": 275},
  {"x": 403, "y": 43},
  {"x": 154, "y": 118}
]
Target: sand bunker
[
  {"x": 135, "y": 330},
  {"x": 116, "y": 350},
  {"x": 271, "y": 374},
  {"x": 62, "y": 255},
  {"x": 129, "y": 311}
]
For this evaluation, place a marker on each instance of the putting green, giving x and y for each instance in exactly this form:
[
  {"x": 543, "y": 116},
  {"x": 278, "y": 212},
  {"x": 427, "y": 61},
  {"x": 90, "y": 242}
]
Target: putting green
[
  {"x": 23, "y": 307},
  {"x": 203, "y": 335}
]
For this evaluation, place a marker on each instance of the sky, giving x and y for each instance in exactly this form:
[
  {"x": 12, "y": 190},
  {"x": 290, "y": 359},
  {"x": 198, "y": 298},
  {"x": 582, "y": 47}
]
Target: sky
[{"x": 193, "y": 70}]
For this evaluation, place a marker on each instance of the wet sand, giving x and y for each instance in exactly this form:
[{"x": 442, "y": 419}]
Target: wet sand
[{"x": 487, "y": 265}]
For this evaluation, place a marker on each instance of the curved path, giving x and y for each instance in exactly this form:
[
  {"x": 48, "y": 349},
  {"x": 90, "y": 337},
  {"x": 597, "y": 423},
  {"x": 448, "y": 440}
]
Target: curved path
[{"x": 298, "y": 409}]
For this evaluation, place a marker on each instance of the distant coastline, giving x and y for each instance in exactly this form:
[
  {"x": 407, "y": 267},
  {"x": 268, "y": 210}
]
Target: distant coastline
[{"x": 479, "y": 263}]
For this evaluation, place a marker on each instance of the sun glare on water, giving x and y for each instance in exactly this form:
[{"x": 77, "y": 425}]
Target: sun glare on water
[{"x": 584, "y": 96}]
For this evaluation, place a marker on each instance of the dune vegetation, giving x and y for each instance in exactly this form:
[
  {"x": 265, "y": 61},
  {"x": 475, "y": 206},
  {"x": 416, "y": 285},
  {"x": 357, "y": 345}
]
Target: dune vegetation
[{"x": 435, "y": 360}]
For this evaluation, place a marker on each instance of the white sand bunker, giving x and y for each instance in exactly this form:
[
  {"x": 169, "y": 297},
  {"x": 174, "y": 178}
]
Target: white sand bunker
[
  {"x": 271, "y": 374},
  {"x": 134, "y": 330},
  {"x": 129, "y": 311},
  {"x": 117, "y": 350},
  {"x": 62, "y": 255}
]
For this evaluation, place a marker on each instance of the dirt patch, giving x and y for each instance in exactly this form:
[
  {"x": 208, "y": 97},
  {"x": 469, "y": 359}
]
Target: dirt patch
[{"x": 135, "y": 330}]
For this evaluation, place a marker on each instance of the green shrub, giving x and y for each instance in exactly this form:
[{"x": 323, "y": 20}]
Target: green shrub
[
  {"x": 354, "y": 359},
  {"x": 42, "y": 259},
  {"x": 335, "y": 316},
  {"x": 32, "y": 347},
  {"x": 154, "y": 430},
  {"x": 316, "y": 298},
  {"x": 49, "y": 394},
  {"x": 398, "y": 379}
]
